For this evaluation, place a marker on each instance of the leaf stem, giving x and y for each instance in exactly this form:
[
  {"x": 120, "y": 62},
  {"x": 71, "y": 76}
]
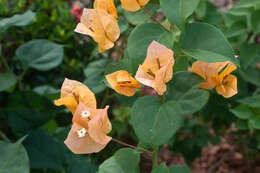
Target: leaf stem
[
  {"x": 5, "y": 64},
  {"x": 155, "y": 157},
  {"x": 131, "y": 146},
  {"x": 20, "y": 78},
  {"x": 4, "y": 137},
  {"x": 154, "y": 19}
]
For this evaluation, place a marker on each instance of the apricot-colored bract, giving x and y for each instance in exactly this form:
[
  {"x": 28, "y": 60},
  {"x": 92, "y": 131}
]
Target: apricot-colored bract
[
  {"x": 133, "y": 5},
  {"x": 101, "y": 26},
  {"x": 107, "y": 5},
  {"x": 224, "y": 82},
  {"x": 123, "y": 83},
  {"x": 157, "y": 68}
]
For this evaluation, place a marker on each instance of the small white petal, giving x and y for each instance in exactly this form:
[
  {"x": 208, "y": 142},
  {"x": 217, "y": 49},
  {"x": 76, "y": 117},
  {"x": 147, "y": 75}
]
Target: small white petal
[
  {"x": 82, "y": 133},
  {"x": 85, "y": 114}
]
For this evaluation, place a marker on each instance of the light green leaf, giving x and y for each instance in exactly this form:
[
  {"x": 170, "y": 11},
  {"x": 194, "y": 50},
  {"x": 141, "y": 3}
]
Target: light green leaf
[
  {"x": 13, "y": 158},
  {"x": 7, "y": 80},
  {"x": 40, "y": 54},
  {"x": 253, "y": 101},
  {"x": 180, "y": 169},
  {"x": 255, "y": 21},
  {"x": 161, "y": 169},
  {"x": 244, "y": 7},
  {"x": 167, "y": 39},
  {"x": 183, "y": 88},
  {"x": 254, "y": 122},
  {"x": 155, "y": 124},
  {"x": 242, "y": 112},
  {"x": 125, "y": 160},
  {"x": 178, "y": 10},
  {"x": 139, "y": 39},
  {"x": 140, "y": 17},
  {"x": 17, "y": 20},
  {"x": 206, "y": 43}
]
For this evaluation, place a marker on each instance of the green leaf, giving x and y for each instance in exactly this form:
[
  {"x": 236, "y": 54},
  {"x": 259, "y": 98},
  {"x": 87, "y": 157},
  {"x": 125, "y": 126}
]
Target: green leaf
[
  {"x": 95, "y": 75},
  {"x": 236, "y": 29},
  {"x": 180, "y": 169},
  {"x": 244, "y": 7},
  {"x": 156, "y": 123},
  {"x": 167, "y": 39},
  {"x": 140, "y": 17},
  {"x": 7, "y": 80},
  {"x": 255, "y": 21},
  {"x": 124, "y": 64},
  {"x": 249, "y": 55},
  {"x": 125, "y": 160},
  {"x": 40, "y": 54},
  {"x": 242, "y": 112},
  {"x": 178, "y": 10},
  {"x": 254, "y": 122},
  {"x": 44, "y": 151},
  {"x": 183, "y": 88},
  {"x": 139, "y": 39},
  {"x": 17, "y": 20},
  {"x": 13, "y": 158},
  {"x": 253, "y": 101},
  {"x": 161, "y": 169},
  {"x": 206, "y": 43},
  {"x": 79, "y": 164},
  {"x": 242, "y": 124}
]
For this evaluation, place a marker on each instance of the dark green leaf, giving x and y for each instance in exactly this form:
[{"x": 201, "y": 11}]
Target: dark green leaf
[
  {"x": 206, "y": 43},
  {"x": 13, "y": 158},
  {"x": 255, "y": 21},
  {"x": 125, "y": 160},
  {"x": 82, "y": 164},
  {"x": 180, "y": 169},
  {"x": 161, "y": 169},
  {"x": 242, "y": 112},
  {"x": 253, "y": 101},
  {"x": 40, "y": 54}
]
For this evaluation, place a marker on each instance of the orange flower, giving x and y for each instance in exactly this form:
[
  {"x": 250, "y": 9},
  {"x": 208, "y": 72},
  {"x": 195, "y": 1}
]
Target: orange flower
[
  {"x": 123, "y": 83},
  {"x": 217, "y": 75},
  {"x": 89, "y": 130},
  {"x": 157, "y": 68},
  {"x": 73, "y": 92},
  {"x": 133, "y": 5},
  {"x": 101, "y": 26},
  {"x": 107, "y": 5}
]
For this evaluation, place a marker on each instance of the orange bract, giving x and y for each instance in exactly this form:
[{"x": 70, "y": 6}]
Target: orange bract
[
  {"x": 73, "y": 92},
  {"x": 217, "y": 75},
  {"x": 89, "y": 130},
  {"x": 133, "y": 5},
  {"x": 107, "y": 5},
  {"x": 101, "y": 26},
  {"x": 157, "y": 68},
  {"x": 123, "y": 83}
]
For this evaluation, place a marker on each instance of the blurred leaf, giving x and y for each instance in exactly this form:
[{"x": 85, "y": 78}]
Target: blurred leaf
[
  {"x": 242, "y": 112},
  {"x": 253, "y": 101},
  {"x": 255, "y": 21},
  {"x": 183, "y": 88},
  {"x": 244, "y": 7},
  {"x": 181, "y": 64},
  {"x": 161, "y": 169},
  {"x": 7, "y": 80},
  {"x": 40, "y": 54},
  {"x": 125, "y": 160},
  {"x": 95, "y": 75},
  {"x": 43, "y": 151},
  {"x": 254, "y": 122},
  {"x": 213, "y": 48},
  {"x": 80, "y": 164},
  {"x": 139, "y": 39},
  {"x": 242, "y": 124},
  {"x": 236, "y": 29},
  {"x": 180, "y": 169},
  {"x": 167, "y": 39},
  {"x": 157, "y": 123},
  {"x": 124, "y": 64},
  {"x": 13, "y": 158},
  {"x": 47, "y": 91},
  {"x": 17, "y": 20},
  {"x": 249, "y": 55},
  {"x": 123, "y": 25},
  {"x": 178, "y": 10},
  {"x": 140, "y": 17}
]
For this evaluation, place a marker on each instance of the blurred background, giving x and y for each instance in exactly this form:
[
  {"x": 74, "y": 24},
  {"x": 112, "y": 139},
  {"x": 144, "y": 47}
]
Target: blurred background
[{"x": 38, "y": 49}]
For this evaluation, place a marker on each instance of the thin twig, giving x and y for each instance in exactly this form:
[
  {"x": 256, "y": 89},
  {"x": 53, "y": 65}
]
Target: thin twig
[
  {"x": 4, "y": 137},
  {"x": 131, "y": 146},
  {"x": 154, "y": 19}
]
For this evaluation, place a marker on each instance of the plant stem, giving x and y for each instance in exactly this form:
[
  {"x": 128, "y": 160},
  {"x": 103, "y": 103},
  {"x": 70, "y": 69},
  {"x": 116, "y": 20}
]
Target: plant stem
[
  {"x": 134, "y": 147},
  {"x": 162, "y": 98},
  {"x": 4, "y": 137},
  {"x": 5, "y": 64},
  {"x": 154, "y": 19},
  {"x": 20, "y": 78},
  {"x": 155, "y": 157}
]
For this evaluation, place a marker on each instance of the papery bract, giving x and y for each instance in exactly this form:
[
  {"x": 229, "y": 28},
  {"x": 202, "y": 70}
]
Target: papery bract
[
  {"x": 101, "y": 26},
  {"x": 89, "y": 134},
  {"x": 217, "y": 75},
  {"x": 133, "y": 5},
  {"x": 157, "y": 68},
  {"x": 123, "y": 83},
  {"x": 107, "y": 5},
  {"x": 73, "y": 92}
]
